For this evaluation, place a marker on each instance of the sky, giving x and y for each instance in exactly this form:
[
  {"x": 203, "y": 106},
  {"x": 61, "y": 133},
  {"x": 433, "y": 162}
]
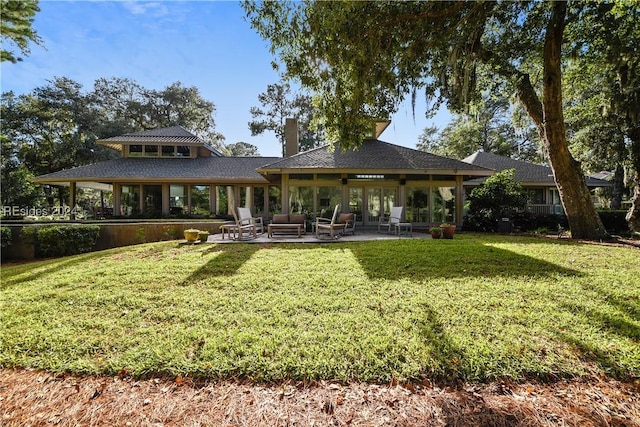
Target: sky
[{"x": 206, "y": 44}]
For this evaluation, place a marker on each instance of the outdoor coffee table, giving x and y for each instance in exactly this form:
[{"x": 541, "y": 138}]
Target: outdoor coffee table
[{"x": 284, "y": 227}]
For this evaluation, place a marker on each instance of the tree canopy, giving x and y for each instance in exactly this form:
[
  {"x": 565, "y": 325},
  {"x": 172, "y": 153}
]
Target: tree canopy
[
  {"x": 364, "y": 58},
  {"x": 56, "y": 126},
  {"x": 16, "y": 18}
]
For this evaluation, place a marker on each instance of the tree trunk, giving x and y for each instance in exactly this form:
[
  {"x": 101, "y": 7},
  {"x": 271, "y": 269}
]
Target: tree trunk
[
  {"x": 633, "y": 216},
  {"x": 584, "y": 221}
]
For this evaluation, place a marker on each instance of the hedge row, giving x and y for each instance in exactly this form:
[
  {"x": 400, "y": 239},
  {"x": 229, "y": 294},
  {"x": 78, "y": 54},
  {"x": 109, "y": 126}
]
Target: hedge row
[
  {"x": 62, "y": 240},
  {"x": 613, "y": 221}
]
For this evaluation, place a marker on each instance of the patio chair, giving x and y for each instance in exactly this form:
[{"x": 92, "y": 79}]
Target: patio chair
[
  {"x": 349, "y": 221},
  {"x": 239, "y": 230},
  {"x": 326, "y": 226},
  {"x": 394, "y": 218},
  {"x": 245, "y": 217}
]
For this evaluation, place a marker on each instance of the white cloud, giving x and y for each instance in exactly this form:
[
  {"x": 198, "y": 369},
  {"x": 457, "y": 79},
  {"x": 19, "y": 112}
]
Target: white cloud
[{"x": 140, "y": 8}]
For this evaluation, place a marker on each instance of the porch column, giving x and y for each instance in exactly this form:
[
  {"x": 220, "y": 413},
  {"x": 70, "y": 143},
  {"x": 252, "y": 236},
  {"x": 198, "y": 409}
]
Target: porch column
[
  {"x": 285, "y": 193},
  {"x": 213, "y": 194},
  {"x": 166, "y": 204},
  {"x": 117, "y": 191},
  {"x": 72, "y": 200},
  {"x": 459, "y": 200}
]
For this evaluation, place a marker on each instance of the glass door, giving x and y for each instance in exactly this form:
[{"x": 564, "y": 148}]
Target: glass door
[{"x": 380, "y": 200}]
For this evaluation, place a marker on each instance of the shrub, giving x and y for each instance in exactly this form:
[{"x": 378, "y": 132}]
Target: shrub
[
  {"x": 614, "y": 221},
  {"x": 61, "y": 240},
  {"x": 499, "y": 197},
  {"x": 5, "y": 236}
]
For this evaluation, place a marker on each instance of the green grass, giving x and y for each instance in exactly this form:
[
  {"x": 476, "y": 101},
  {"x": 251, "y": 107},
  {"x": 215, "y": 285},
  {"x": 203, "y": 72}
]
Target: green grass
[{"x": 475, "y": 308}]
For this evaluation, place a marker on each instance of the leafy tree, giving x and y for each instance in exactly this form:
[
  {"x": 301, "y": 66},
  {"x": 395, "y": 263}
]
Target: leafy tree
[
  {"x": 603, "y": 82},
  {"x": 16, "y": 17},
  {"x": 241, "y": 149},
  {"x": 364, "y": 58},
  {"x": 17, "y": 187},
  {"x": 485, "y": 126},
  {"x": 56, "y": 126},
  {"x": 499, "y": 197},
  {"x": 279, "y": 103}
]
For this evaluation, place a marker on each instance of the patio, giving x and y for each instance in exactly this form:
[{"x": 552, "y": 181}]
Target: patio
[{"x": 362, "y": 235}]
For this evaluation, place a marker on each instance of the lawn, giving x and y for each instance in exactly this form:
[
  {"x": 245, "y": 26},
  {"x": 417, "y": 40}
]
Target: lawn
[{"x": 476, "y": 308}]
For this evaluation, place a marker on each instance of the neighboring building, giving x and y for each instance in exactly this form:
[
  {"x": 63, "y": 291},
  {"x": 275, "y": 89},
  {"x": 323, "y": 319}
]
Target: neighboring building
[
  {"x": 170, "y": 171},
  {"x": 537, "y": 180}
]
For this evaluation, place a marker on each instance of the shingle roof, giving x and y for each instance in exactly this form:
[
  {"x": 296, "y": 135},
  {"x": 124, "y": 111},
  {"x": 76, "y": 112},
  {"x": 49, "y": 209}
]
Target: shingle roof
[
  {"x": 171, "y": 134},
  {"x": 197, "y": 169},
  {"x": 526, "y": 172},
  {"x": 372, "y": 155},
  {"x": 168, "y": 135}
]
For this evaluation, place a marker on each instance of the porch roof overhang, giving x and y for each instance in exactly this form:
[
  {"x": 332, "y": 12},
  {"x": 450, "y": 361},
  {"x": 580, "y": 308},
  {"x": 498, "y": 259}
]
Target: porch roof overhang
[{"x": 204, "y": 170}]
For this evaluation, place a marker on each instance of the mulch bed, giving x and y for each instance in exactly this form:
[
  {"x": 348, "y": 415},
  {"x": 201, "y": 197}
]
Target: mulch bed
[{"x": 36, "y": 398}]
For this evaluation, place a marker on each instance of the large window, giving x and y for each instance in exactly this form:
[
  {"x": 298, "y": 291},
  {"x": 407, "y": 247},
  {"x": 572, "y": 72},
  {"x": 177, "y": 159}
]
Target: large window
[
  {"x": 444, "y": 204},
  {"x": 418, "y": 204},
  {"x": 328, "y": 198},
  {"x": 356, "y": 202},
  {"x": 130, "y": 200},
  {"x": 300, "y": 199},
  {"x": 275, "y": 200},
  {"x": 152, "y": 200},
  {"x": 178, "y": 199},
  {"x": 258, "y": 201},
  {"x": 224, "y": 200},
  {"x": 200, "y": 198}
]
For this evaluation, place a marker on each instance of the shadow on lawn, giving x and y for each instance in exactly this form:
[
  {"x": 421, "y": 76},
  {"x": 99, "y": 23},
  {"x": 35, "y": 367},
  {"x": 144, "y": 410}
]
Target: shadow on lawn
[
  {"x": 228, "y": 260},
  {"x": 622, "y": 321},
  {"x": 448, "y": 259},
  {"x": 18, "y": 276}
]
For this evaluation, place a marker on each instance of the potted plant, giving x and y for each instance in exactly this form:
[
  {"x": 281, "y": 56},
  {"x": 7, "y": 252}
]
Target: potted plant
[
  {"x": 448, "y": 230},
  {"x": 436, "y": 232},
  {"x": 203, "y": 235},
  {"x": 191, "y": 234}
]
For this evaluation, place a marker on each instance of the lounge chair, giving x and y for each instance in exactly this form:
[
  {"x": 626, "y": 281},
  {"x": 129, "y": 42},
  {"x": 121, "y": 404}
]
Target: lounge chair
[
  {"x": 326, "y": 226},
  {"x": 394, "y": 218},
  {"x": 245, "y": 217}
]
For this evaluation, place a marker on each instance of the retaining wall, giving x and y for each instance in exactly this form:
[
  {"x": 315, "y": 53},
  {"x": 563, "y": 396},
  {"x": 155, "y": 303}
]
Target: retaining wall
[{"x": 112, "y": 235}]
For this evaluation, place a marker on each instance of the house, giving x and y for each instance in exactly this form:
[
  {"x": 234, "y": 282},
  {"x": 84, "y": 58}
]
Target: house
[
  {"x": 537, "y": 180},
  {"x": 170, "y": 171}
]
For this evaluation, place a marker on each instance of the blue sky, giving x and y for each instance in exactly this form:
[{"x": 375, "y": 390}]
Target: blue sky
[{"x": 206, "y": 44}]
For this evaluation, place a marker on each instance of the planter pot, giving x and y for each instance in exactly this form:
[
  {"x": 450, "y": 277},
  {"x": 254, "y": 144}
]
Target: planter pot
[
  {"x": 203, "y": 236},
  {"x": 448, "y": 231},
  {"x": 436, "y": 234},
  {"x": 191, "y": 235}
]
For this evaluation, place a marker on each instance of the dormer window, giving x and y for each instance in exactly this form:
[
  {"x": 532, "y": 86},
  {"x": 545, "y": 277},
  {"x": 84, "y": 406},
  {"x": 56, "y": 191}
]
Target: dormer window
[
  {"x": 135, "y": 150},
  {"x": 151, "y": 151},
  {"x": 183, "y": 151},
  {"x": 168, "y": 151}
]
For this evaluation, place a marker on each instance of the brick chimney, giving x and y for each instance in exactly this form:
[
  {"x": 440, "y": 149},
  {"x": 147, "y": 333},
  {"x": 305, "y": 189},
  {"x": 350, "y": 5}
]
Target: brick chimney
[{"x": 291, "y": 140}]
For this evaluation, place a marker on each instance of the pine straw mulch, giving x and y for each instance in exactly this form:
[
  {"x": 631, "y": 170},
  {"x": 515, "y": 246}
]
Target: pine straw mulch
[{"x": 36, "y": 398}]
